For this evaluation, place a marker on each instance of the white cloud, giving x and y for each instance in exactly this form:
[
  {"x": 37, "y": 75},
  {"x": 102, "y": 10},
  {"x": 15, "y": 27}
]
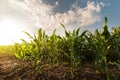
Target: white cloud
[
  {"x": 56, "y": 3},
  {"x": 43, "y": 16}
]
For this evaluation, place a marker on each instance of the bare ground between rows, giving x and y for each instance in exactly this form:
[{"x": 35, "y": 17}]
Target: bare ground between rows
[{"x": 14, "y": 69}]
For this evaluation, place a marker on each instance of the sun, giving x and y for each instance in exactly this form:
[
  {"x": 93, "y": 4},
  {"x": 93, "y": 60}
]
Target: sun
[{"x": 10, "y": 31}]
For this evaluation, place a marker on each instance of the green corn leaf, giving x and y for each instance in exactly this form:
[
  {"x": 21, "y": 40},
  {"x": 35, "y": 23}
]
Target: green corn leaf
[
  {"x": 83, "y": 33},
  {"x": 73, "y": 34},
  {"x": 105, "y": 33},
  {"x": 17, "y": 56},
  {"x": 59, "y": 37},
  {"x": 77, "y": 31},
  {"x": 67, "y": 34},
  {"x": 96, "y": 33},
  {"x": 63, "y": 26},
  {"x": 35, "y": 38},
  {"x": 105, "y": 21},
  {"x": 40, "y": 34},
  {"x": 54, "y": 32},
  {"x": 23, "y": 40},
  {"x": 28, "y": 35}
]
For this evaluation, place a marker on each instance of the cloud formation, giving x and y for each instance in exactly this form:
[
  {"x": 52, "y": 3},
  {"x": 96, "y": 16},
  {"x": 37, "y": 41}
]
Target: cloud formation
[{"x": 43, "y": 16}]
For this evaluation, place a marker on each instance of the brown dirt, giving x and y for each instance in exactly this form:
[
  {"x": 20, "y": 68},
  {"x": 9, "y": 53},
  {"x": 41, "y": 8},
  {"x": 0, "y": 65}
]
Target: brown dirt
[
  {"x": 13, "y": 69},
  {"x": 7, "y": 62}
]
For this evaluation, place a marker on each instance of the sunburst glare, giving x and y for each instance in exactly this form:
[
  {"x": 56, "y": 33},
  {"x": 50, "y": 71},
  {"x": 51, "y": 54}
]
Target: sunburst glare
[{"x": 10, "y": 31}]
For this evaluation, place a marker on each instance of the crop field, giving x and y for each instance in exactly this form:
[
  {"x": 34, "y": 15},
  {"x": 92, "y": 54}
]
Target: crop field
[{"x": 74, "y": 56}]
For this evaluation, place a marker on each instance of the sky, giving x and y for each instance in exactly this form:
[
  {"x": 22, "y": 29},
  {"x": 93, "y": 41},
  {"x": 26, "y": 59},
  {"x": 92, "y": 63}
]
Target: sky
[{"x": 17, "y": 16}]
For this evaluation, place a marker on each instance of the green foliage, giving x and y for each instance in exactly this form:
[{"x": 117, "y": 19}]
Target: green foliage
[
  {"x": 73, "y": 49},
  {"x": 6, "y": 50}
]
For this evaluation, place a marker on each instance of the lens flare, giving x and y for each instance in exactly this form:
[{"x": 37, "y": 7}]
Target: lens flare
[{"x": 10, "y": 31}]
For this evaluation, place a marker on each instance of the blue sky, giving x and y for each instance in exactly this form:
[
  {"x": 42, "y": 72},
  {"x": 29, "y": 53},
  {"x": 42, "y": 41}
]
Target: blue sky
[
  {"x": 30, "y": 15},
  {"x": 111, "y": 10}
]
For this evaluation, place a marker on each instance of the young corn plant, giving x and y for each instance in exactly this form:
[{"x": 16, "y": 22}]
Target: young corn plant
[
  {"x": 53, "y": 49},
  {"x": 82, "y": 46},
  {"x": 6, "y": 50},
  {"x": 101, "y": 46},
  {"x": 70, "y": 52},
  {"x": 73, "y": 48},
  {"x": 32, "y": 50},
  {"x": 114, "y": 52},
  {"x": 18, "y": 51}
]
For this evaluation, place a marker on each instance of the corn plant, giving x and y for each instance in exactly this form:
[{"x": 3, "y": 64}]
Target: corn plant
[
  {"x": 71, "y": 52},
  {"x": 114, "y": 52},
  {"x": 101, "y": 46},
  {"x": 6, "y": 50},
  {"x": 53, "y": 49},
  {"x": 29, "y": 50}
]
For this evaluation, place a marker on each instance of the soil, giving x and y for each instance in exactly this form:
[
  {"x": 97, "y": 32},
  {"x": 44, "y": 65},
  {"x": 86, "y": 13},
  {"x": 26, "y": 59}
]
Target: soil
[{"x": 14, "y": 69}]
